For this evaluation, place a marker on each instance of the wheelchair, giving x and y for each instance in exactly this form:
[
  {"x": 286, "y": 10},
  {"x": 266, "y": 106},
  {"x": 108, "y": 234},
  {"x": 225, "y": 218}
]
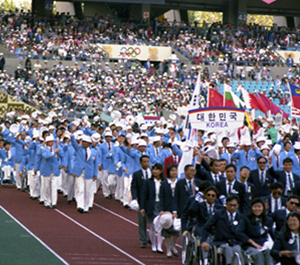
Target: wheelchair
[
  {"x": 216, "y": 257},
  {"x": 194, "y": 251},
  {"x": 12, "y": 178}
]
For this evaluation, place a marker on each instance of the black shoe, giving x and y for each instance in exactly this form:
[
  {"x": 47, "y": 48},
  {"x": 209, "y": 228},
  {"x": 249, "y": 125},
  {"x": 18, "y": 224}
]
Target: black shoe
[
  {"x": 41, "y": 202},
  {"x": 30, "y": 197},
  {"x": 18, "y": 188},
  {"x": 176, "y": 254},
  {"x": 118, "y": 200},
  {"x": 54, "y": 206},
  {"x": 90, "y": 208},
  {"x": 85, "y": 211},
  {"x": 34, "y": 198},
  {"x": 126, "y": 206},
  {"x": 65, "y": 196},
  {"x": 143, "y": 246},
  {"x": 69, "y": 202},
  {"x": 60, "y": 191},
  {"x": 160, "y": 251},
  {"x": 169, "y": 256},
  {"x": 47, "y": 207},
  {"x": 107, "y": 197},
  {"x": 80, "y": 210},
  {"x": 110, "y": 196}
]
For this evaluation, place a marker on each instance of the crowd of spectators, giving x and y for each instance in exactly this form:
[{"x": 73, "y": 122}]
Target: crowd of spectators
[{"x": 66, "y": 37}]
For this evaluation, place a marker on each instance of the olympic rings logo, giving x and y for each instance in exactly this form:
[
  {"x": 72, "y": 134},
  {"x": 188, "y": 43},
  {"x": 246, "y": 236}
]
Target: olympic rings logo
[{"x": 133, "y": 52}]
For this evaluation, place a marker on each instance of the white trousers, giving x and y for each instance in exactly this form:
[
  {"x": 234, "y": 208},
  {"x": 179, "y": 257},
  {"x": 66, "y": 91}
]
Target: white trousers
[
  {"x": 17, "y": 176},
  {"x": 49, "y": 190},
  {"x": 126, "y": 190},
  {"x": 105, "y": 185},
  {"x": 119, "y": 188},
  {"x": 70, "y": 187},
  {"x": 85, "y": 192},
  {"x": 64, "y": 182},
  {"x": 98, "y": 181},
  {"x": 35, "y": 184},
  {"x": 112, "y": 183},
  {"x": 7, "y": 170}
]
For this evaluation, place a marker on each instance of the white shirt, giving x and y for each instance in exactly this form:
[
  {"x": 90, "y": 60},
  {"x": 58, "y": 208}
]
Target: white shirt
[
  {"x": 273, "y": 204},
  {"x": 227, "y": 186},
  {"x": 172, "y": 185},
  {"x": 229, "y": 215},
  {"x": 157, "y": 187},
  {"x": 149, "y": 173},
  {"x": 287, "y": 184}
]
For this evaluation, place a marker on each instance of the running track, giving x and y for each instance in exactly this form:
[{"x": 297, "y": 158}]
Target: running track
[{"x": 108, "y": 234}]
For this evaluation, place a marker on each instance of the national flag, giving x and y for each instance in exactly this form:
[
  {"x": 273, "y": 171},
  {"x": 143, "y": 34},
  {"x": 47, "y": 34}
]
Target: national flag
[
  {"x": 151, "y": 119},
  {"x": 228, "y": 97},
  {"x": 214, "y": 98},
  {"x": 271, "y": 106},
  {"x": 295, "y": 112},
  {"x": 295, "y": 93},
  {"x": 253, "y": 102}
]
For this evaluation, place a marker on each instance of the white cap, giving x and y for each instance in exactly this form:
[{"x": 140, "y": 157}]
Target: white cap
[
  {"x": 49, "y": 138},
  {"x": 156, "y": 139},
  {"x": 108, "y": 133},
  {"x": 51, "y": 127},
  {"x": 297, "y": 145},
  {"x": 134, "y": 141},
  {"x": 264, "y": 146},
  {"x": 207, "y": 140},
  {"x": 261, "y": 139},
  {"x": 96, "y": 137},
  {"x": 230, "y": 145},
  {"x": 144, "y": 127},
  {"x": 86, "y": 138},
  {"x": 144, "y": 135},
  {"x": 142, "y": 143}
]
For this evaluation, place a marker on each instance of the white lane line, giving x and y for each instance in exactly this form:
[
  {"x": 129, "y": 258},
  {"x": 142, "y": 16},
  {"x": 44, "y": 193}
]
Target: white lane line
[
  {"x": 100, "y": 237},
  {"x": 122, "y": 217},
  {"x": 38, "y": 239}
]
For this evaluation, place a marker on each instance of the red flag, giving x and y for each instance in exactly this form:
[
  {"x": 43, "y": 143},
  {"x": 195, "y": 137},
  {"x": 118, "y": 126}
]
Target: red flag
[
  {"x": 257, "y": 103},
  {"x": 214, "y": 99},
  {"x": 271, "y": 106}
]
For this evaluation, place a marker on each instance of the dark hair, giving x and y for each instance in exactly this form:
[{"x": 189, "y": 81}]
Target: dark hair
[
  {"x": 143, "y": 156},
  {"x": 169, "y": 168},
  {"x": 203, "y": 185},
  {"x": 44, "y": 133},
  {"x": 285, "y": 143},
  {"x": 6, "y": 143},
  {"x": 187, "y": 167},
  {"x": 294, "y": 196},
  {"x": 212, "y": 162},
  {"x": 287, "y": 231},
  {"x": 159, "y": 167},
  {"x": 251, "y": 215},
  {"x": 261, "y": 157},
  {"x": 276, "y": 185},
  {"x": 244, "y": 167},
  {"x": 222, "y": 160},
  {"x": 233, "y": 197},
  {"x": 213, "y": 188},
  {"x": 287, "y": 160},
  {"x": 229, "y": 166}
]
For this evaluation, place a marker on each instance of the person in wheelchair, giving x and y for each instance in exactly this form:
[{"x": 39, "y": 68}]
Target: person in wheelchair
[
  {"x": 257, "y": 227},
  {"x": 227, "y": 235},
  {"x": 8, "y": 161},
  {"x": 205, "y": 209},
  {"x": 286, "y": 245}
]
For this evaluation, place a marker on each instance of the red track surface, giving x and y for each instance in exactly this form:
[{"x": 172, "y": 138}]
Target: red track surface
[{"x": 72, "y": 242}]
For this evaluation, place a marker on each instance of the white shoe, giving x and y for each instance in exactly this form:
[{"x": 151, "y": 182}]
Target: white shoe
[{"x": 154, "y": 249}]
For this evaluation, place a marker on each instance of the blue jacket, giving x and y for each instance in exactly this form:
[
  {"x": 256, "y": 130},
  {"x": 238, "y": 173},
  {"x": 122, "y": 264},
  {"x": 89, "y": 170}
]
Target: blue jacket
[
  {"x": 90, "y": 166},
  {"x": 50, "y": 162},
  {"x": 105, "y": 162},
  {"x": 8, "y": 161}
]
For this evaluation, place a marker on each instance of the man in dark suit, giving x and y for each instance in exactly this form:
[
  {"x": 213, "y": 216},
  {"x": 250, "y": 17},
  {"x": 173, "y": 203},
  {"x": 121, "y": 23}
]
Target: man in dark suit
[
  {"x": 249, "y": 187},
  {"x": 275, "y": 201},
  {"x": 261, "y": 178},
  {"x": 184, "y": 189},
  {"x": 285, "y": 176},
  {"x": 2, "y": 62},
  {"x": 209, "y": 172},
  {"x": 231, "y": 186},
  {"x": 279, "y": 216},
  {"x": 137, "y": 183},
  {"x": 227, "y": 235}
]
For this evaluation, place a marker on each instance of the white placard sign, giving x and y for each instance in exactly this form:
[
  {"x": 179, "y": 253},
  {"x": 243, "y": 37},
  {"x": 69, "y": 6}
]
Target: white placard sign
[
  {"x": 216, "y": 119},
  {"x": 278, "y": 120}
]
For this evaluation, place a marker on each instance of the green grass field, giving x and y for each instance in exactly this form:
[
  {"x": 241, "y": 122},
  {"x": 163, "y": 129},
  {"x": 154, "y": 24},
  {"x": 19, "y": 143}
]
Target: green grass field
[{"x": 18, "y": 246}]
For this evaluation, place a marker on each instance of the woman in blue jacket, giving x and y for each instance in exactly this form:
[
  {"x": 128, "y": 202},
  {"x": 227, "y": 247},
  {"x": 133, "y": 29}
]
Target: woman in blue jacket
[{"x": 150, "y": 204}]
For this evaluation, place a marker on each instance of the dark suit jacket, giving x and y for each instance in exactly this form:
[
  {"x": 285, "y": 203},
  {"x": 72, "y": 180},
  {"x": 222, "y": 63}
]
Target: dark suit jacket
[
  {"x": 279, "y": 218},
  {"x": 169, "y": 161},
  {"x": 181, "y": 195},
  {"x": 296, "y": 189},
  {"x": 137, "y": 184},
  {"x": 260, "y": 190},
  {"x": 199, "y": 210},
  {"x": 204, "y": 174},
  {"x": 252, "y": 231},
  {"x": 240, "y": 189},
  {"x": 280, "y": 244},
  {"x": 148, "y": 196},
  {"x": 281, "y": 177},
  {"x": 224, "y": 230},
  {"x": 165, "y": 197},
  {"x": 188, "y": 220},
  {"x": 268, "y": 198}
]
